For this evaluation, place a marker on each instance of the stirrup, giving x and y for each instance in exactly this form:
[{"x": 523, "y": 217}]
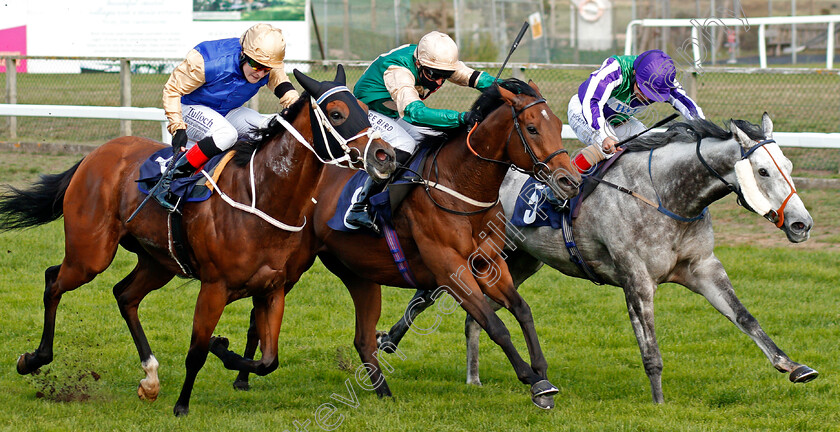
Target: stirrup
[
  {"x": 164, "y": 198},
  {"x": 362, "y": 219}
]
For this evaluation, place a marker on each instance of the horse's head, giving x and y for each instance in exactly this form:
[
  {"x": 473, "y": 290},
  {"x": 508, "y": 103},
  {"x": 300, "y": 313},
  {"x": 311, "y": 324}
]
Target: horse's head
[
  {"x": 341, "y": 129},
  {"x": 522, "y": 120},
  {"x": 764, "y": 177}
]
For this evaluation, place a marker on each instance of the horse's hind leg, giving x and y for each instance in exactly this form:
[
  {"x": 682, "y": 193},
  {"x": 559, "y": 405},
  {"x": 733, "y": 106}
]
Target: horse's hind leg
[
  {"x": 389, "y": 341},
  {"x": 58, "y": 280},
  {"x": 639, "y": 298},
  {"x": 709, "y": 279},
  {"x": 146, "y": 277}
]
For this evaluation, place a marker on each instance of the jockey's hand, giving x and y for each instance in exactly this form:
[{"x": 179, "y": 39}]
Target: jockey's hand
[
  {"x": 470, "y": 118},
  {"x": 179, "y": 140},
  {"x": 608, "y": 146}
]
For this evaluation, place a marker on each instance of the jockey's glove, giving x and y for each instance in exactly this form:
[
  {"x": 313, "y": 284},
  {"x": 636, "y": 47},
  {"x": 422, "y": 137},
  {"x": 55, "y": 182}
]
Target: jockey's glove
[
  {"x": 179, "y": 139},
  {"x": 470, "y": 118}
]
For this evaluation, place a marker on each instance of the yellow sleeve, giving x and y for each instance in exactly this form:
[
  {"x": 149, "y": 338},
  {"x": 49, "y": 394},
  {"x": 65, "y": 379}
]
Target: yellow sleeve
[
  {"x": 462, "y": 75},
  {"x": 278, "y": 76},
  {"x": 187, "y": 76},
  {"x": 400, "y": 84}
]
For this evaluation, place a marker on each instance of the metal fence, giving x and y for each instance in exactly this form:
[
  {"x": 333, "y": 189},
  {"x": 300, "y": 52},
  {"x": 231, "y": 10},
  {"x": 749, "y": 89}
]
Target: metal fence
[{"x": 798, "y": 100}]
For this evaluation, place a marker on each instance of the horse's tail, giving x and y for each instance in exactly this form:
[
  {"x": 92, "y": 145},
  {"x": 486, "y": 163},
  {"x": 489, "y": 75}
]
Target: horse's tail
[{"x": 41, "y": 203}]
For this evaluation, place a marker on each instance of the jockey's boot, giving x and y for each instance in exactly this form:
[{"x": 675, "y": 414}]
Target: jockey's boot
[
  {"x": 359, "y": 214},
  {"x": 181, "y": 168}
]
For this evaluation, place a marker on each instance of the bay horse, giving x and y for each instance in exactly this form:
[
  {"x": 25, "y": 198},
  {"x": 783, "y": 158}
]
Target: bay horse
[
  {"x": 228, "y": 245},
  {"x": 687, "y": 168},
  {"x": 452, "y": 241}
]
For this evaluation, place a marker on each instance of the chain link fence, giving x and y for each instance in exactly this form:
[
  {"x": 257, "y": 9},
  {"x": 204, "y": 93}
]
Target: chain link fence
[{"x": 798, "y": 100}]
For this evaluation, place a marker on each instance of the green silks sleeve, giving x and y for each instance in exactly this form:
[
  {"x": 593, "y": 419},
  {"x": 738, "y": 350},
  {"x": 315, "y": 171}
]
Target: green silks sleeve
[
  {"x": 419, "y": 114},
  {"x": 484, "y": 81}
]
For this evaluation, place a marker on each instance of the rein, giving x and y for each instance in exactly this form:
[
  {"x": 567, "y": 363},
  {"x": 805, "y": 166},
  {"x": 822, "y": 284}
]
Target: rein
[{"x": 777, "y": 217}]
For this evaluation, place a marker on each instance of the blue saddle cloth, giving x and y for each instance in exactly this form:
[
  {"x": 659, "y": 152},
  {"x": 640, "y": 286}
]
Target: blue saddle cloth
[
  {"x": 381, "y": 202},
  {"x": 533, "y": 209},
  {"x": 192, "y": 187}
]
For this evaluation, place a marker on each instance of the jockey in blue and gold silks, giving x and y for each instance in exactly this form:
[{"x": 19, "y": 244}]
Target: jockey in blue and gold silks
[
  {"x": 394, "y": 87},
  {"x": 604, "y": 109},
  {"x": 204, "y": 97}
]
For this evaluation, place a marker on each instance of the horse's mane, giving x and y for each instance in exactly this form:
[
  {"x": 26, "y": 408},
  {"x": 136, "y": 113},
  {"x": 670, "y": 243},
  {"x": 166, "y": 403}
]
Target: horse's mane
[
  {"x": 491, "y": 98},
  {"x": 691, "y": 131},
  {"x": 244, "y": 148}
]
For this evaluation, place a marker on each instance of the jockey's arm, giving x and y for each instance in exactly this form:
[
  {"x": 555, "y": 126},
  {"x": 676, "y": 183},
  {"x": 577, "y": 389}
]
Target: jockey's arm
[
  {"x": 465, "y": 76},
  {"x": 400, "y": 84},
  {"x": 187, "y": 76},
  {"x": 278, "y": 82},
  {"x": 684, "y": 104}
]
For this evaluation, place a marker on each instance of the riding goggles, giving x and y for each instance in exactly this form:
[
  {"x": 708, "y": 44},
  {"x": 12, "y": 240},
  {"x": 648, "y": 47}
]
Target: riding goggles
[
  {"x": 256, "y": 65},
  {"x": 437, "y": 74}
]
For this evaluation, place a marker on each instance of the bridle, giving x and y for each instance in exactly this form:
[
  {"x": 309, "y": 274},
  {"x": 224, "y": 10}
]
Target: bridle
[
  {"x": 351, "y": 156},
  {"x": 777, "y": 217},
  {"x": 540, "y": 169}
]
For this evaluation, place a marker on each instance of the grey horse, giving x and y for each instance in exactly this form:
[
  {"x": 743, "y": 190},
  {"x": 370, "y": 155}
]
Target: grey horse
[{"x": 687, "y": 167}]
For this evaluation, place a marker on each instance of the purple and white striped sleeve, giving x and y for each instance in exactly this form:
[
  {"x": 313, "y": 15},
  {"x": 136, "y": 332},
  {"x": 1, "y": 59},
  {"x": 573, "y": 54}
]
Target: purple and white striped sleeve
[
  {"x": 684, "y": 104},
  {"x": 594, "y": 93}
]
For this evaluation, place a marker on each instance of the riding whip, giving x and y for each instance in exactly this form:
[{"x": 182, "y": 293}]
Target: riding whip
[
  {"x": 659, "y": 123},
  {"x": 513, "y": 47}
]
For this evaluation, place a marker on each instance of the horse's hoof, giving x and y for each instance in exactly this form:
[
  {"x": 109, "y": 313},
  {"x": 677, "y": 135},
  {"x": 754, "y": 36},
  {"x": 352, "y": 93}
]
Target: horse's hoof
[
  {"x": 241, "y": 385},
  {"x": 543, "y": 388},
  {"x": 219, "y": 345},
  {"x": 803, "y": 374},
  {"x": 383, "y": 341},
  {"x": 146, "y": 394},
  {"x": 545, "y": 402},
  {"x": 181, "y": 411},
  {"x": 22, "y": 364}
]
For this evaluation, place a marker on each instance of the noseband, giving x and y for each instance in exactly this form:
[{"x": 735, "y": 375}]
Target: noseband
[
  {"x": 777, "y": 217},
  {"x": 538, "y": 166}
]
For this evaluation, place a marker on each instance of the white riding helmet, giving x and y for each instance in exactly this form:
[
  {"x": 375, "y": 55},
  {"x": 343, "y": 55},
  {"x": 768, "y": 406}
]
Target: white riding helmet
[
  {"x": 265, "y": 45},
  {"x": 437, "y": 50}
]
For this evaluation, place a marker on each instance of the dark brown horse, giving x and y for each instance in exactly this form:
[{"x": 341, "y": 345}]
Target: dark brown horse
[
  {"x": 228, "y": 245},
  {"x": 452, "y": 241}
]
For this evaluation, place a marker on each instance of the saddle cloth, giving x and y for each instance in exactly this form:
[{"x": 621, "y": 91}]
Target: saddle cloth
[{"x": 194, "y": 188}]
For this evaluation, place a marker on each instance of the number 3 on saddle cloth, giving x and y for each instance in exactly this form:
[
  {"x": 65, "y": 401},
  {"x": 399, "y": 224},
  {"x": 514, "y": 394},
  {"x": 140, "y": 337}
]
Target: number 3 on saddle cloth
[{"x": 193, "y": 188}]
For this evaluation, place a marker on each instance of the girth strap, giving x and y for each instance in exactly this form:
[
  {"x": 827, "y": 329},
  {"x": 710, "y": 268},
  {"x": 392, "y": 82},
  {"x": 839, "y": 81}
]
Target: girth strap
[
  {"x": 574, "y": 252},
  {"x": 396, "y": 251}
]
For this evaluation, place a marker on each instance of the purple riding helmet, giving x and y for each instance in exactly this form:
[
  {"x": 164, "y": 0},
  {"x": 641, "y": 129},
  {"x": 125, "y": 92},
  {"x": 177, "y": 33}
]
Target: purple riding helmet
[{"x": 655, "y": 75}]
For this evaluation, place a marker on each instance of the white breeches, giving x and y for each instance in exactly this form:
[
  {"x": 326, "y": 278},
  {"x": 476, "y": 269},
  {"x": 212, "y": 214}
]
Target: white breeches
[
  {"x": 588, "y": 135},
  {"x": 203, "y": 121},
  {"x": 399, "y": 133}
]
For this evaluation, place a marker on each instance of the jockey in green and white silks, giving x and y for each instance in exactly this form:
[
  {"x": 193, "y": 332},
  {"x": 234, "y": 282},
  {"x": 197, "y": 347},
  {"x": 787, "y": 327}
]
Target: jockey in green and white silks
[
  {"x": 394, "y": 87},
  {"x": 605, "y": 108}
]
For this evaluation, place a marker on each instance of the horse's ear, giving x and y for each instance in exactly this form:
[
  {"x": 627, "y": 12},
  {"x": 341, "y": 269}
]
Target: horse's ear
[
  {"x": 739, "y": 135},
  {"x": 308, "y": 84},
  {"x": 507, "y": 95},
  {"x": 339, "y": 75},
  {"x": 767, "y": 126},
  {"x": 534, "y": 86}
]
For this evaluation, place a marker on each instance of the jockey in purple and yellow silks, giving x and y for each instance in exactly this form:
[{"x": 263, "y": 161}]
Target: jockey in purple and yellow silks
[
  {"x": 204, "y": 97},
  {"x": 603, "y": 110},
  {"x": 394, "y": 87}
]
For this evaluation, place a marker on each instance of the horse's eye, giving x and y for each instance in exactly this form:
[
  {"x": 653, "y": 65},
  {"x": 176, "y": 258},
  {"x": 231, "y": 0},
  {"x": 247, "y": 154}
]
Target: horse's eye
[
  {"x": 335, "y": 115},
  {"x": 531, "y": 130},
  {"x": 763, "y": 172}
]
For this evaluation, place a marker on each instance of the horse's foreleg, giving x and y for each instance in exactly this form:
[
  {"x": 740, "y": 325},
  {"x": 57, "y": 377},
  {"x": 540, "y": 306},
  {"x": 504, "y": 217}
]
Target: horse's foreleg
[
  {"x": 268, "y": 318},
  {"x": 388, "y": 342},
  {"x": 367, "y": 299},
  {"x": 639, "y": 298},
  {"x": 251, "y": 345},
  {"x": 208, "y": 309},
  {"x": 472, "y": 331},
  {"x": 146, "y": 277},
  {"x": 709, "y": 279}
]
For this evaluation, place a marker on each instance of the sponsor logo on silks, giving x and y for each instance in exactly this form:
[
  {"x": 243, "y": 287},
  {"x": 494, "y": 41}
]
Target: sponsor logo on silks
[
  {"x": 198, "y": 117},
  {"x": 530, "y": 215},
  {"x": 353, "y": 200},
  {"x": 622, "y": 108},
  {"x": 380, "y": 124}
]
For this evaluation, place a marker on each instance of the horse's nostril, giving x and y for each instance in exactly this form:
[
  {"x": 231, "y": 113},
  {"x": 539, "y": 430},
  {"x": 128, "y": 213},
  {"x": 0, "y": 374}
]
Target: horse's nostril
[
  {"x": 382, "y": 156},
  {"x": 798, "y": 226}
]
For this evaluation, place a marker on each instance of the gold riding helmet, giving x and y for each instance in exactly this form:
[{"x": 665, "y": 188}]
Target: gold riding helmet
[{"x": 264, "y": 44}]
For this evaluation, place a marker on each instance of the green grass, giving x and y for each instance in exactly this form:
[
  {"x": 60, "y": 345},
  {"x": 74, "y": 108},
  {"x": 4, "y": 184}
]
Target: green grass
[{"x": 715, "y": 378}]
